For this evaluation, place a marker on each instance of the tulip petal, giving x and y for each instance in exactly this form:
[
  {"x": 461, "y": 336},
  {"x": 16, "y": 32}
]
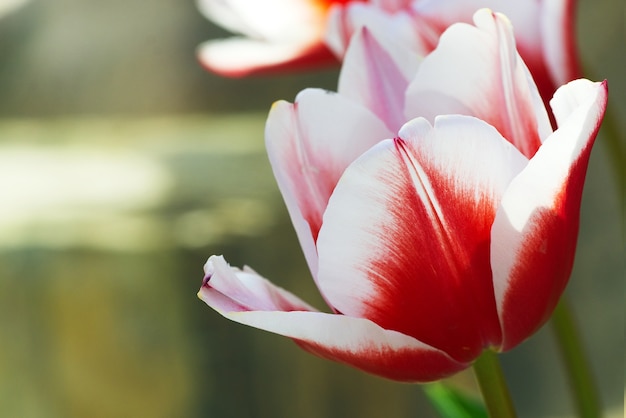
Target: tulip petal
[
  {"x": 544, "y": 33},
  {"x": 535, "y": 229},
  {"x": 405, "y": 238},
  {"x": 309, "y": 144},
  {"x": 476, "y": 71},
  {"x": 247, "y": 298},
  {"x": 376, "y": 72},
  {"x": 240, "y": 57}
]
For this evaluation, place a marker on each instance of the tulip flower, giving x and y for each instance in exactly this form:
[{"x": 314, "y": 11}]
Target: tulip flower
[
  {"x": 436, "y": 208},
  {"x": 545, "y": 31}
]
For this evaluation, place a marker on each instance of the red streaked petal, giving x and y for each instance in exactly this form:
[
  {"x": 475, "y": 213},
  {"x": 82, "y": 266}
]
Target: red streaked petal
[
  {"x": 405, "y": 238},
  {"x": 476, "y": 71},
  {"x": 247, "y": 298},
  {"x": 535, "y": 230},
  {"x": 376, "y": 72},
  {"x": 310, "y": 143},
  {"x": 240, "y": 57}
]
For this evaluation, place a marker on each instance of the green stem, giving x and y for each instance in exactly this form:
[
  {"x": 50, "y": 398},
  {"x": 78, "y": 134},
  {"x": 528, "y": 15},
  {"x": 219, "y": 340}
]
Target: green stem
[
  {"x": 581, "y": 381},
  {"x": 493, "y": 386}
]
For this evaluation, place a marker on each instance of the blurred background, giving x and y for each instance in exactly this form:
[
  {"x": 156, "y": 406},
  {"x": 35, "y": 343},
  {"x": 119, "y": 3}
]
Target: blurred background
[{"x": 124, "y": 165}]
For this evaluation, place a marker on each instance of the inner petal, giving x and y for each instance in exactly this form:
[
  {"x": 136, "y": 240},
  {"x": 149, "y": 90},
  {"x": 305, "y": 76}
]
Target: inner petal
[{"x": 405, "y": 239}]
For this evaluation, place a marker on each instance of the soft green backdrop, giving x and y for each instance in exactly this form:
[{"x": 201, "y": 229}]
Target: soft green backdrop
[{"x": 123, "y": 166}]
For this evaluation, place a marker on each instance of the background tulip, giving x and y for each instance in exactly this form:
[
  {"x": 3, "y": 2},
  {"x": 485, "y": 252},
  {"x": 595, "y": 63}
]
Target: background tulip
[
  {"x": 455, "y": 235},
  {"x": 283, "y": 35}
]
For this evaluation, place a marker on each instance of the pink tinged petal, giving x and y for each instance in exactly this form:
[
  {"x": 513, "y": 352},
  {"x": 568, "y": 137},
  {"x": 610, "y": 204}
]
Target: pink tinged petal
[
  {"x": 535, "y": 229},
  {"x": 476, "y": 71},
  {"x": 376, "y": 73},
  {"x": 228, "y": 289},
  {"x": 405, "y": 238},
  {"x": 247, "y": 298},
  {"x": 309, "y": 144}
]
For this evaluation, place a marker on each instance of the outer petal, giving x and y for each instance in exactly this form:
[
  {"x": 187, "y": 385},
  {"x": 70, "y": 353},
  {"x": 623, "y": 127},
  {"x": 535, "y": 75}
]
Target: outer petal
[
  {"x": 247, "y": 298},
  {"x": 405, "y": 238},
  {"x": 376, "y": 73},
  {"x": 310, "y": 143},
  {"x": 535, "y": 229},
  {"x": 476, "y": 71}
]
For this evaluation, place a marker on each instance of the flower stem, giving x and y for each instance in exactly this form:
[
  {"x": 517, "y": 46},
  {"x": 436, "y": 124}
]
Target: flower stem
[
  {"x": 581, "y": 381},
  {"x": 493, "y": 386}
]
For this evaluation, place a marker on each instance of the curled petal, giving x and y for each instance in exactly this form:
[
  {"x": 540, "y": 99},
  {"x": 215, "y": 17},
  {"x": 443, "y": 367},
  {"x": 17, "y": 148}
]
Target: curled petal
[
  {"x": 228, "y": 289},
  {"x": 247, "y": 298},
  {"x": 535, "y": 229},
  {"x": 405, "y": 238}
]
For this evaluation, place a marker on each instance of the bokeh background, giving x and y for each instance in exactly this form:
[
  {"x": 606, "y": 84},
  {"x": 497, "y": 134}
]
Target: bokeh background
[{"x": 123, "y": 166}]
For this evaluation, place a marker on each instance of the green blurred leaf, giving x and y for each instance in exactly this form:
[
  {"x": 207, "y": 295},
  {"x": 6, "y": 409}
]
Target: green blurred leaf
[{"x": 452, "y": 403}]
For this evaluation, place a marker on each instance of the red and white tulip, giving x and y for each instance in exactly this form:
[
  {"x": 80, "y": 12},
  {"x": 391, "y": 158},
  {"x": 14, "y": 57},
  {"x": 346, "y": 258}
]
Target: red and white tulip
[{"x": 436, "y": 208}]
